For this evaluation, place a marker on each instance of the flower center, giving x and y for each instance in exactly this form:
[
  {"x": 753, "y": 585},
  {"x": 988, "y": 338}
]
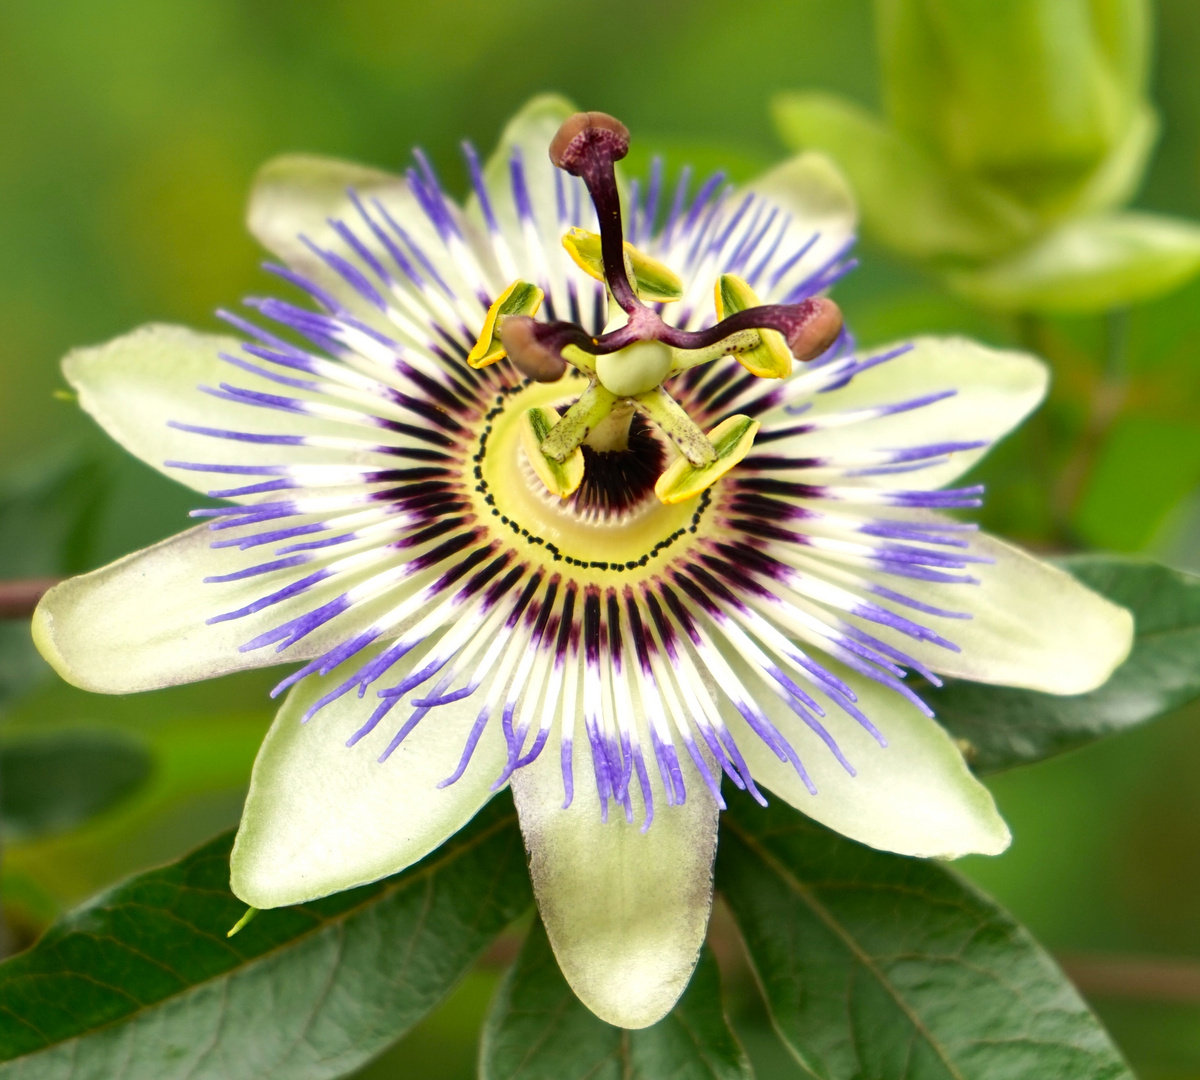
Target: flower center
[
  {"x": 612, "y": 524},
  {"x": 628, "y": 364}
]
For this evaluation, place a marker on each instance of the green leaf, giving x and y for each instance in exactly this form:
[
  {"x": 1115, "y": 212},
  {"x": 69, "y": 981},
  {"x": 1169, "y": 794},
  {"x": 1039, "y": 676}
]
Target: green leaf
[
  {"x": 1001, "y": 727},
  {"x": 909, "y": 201},
  {"x": 538, "y": 1030},
  {"x": 1089, "y": 265},
  {"x": 48, "y": 515},
  {"x": 875, "y": 965},
  {"x": 47, "y": 521},
  {"x": 143, "y": 983},
  {"x": 1125, "y": 502},
  {"x": 52, "y": 783}
]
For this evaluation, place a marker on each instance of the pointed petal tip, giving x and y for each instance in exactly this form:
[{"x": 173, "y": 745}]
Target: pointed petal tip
[
  {"x": 629, "y": 996},
  {"x": 990, "y": 835},
  {"x": 625, "y": 911},
  {"x": 1115, "y": 640},
  {"x": 44, "y": 640}
]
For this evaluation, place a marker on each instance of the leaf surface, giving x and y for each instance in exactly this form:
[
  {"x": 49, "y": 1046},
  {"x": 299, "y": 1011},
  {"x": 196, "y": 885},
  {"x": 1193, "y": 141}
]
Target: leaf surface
[
  {"x": 143, "y": 982},
  {"x": 538, "y": 1030},
  {"x": 875, "y": 965},
  {"x": 1002, "y": 727},
  {"x": 53, "y": 783}
]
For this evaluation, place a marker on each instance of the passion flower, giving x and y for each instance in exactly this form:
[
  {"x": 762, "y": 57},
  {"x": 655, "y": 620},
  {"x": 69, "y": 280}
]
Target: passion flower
[{"x": 582, "y": 490}]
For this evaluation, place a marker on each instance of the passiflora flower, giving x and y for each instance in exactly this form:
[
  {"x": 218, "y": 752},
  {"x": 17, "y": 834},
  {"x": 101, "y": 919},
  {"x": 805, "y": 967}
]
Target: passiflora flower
[{"x": 582, "y": 490}]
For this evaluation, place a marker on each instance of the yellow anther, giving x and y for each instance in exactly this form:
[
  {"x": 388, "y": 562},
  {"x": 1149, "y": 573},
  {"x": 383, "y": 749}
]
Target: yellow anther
[
  {"x": 770, "y": 358},
  {"x": 653, "y": 281},
  {"x": 520, "y": 298},
  {"x": 731, "y": 439},
  {"x": 560, "y": 478}
]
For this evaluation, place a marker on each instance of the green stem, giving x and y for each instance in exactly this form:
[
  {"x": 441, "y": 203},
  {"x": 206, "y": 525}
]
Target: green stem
[{"x": 592, "y": 406}]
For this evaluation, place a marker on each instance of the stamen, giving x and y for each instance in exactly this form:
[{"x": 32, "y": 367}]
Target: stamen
[{"x": 532, "y": 358}]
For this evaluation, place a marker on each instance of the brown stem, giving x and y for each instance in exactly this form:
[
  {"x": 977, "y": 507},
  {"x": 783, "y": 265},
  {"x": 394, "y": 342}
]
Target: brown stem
[
  {"x": 1134, "y": 978},
  {"x": 18, "y": 598}
]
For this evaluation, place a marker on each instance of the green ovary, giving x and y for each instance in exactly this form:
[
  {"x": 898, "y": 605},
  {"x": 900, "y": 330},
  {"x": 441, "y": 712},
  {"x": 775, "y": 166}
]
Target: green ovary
[{"x": 634, "y": 370}]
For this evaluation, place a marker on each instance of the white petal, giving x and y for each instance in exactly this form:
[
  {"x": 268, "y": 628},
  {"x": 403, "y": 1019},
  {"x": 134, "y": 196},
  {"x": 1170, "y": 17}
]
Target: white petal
[
  {"x": 914, "y": 797},
  {"x": 321, "y": 816},
  {"x": 134, "y": 385},
  {"x": 995, "y": 389},
  {"x": 139, "y": 623},
  {"x": 1033, "y": 625},
  {"x": 810, "y": 188},
  {"x": 528, "y": 134},
  {"x": 296, "y": 195},
  {"x": 626, "y": 911}
]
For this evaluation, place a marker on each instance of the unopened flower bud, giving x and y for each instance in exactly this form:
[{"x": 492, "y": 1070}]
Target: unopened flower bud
[{"x": 1031, "y": 95}]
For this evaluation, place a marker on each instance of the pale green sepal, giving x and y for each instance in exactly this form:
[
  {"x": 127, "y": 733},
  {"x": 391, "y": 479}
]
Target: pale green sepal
[
  {"x": 1090, "y": 265},
  {"x": 133, "y": 385},
  {"x": 731, "y": 439},
  {"x": 520, "y": 298},
  {"x": 139, "y": 623},
  {"x": 769, "y": 357},
  {"x": 991, "y": 392},
  {"x": 561, "y": 478},
  {"x": 653, "y": 281},
  {"x": 1032, "y": 625},
  {"x": 626, "y": 911},
  {"x": 909, "y": 201},
  {"x": 322, "y": 816},
  {"x": 915, "y": 796}
]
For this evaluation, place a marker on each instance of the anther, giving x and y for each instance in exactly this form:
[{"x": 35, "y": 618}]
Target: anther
[
  {"x": 530, "y": 357},
  {"x": 818, "y": 331},
  {"x": 586, "y": 133}
]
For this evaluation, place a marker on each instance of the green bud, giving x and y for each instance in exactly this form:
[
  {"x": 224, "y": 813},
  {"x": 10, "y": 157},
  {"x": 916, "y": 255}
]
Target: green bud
[{"x": 1031, "y": 96}]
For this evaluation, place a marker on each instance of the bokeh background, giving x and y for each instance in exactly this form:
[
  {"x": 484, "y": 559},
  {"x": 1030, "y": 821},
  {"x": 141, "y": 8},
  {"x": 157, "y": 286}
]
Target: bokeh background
[{"x": 129, "y": 132}]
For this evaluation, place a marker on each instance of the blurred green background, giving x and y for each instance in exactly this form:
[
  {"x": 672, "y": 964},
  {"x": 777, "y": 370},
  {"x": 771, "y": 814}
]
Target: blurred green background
[{"x": 128, "y": 136}]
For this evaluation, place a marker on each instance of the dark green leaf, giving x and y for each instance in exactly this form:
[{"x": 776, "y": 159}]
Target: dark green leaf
[
  {"x": 537, "y": 1029},
  {"x": 874, "y": 965},
  {"x": 52, "y": 783},
  {"x": 143, "y": 983},
  {"x": 21, "y": 668},
  {"x": 1002, "y": 727},
  {"x": 47, "y": 518}
]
